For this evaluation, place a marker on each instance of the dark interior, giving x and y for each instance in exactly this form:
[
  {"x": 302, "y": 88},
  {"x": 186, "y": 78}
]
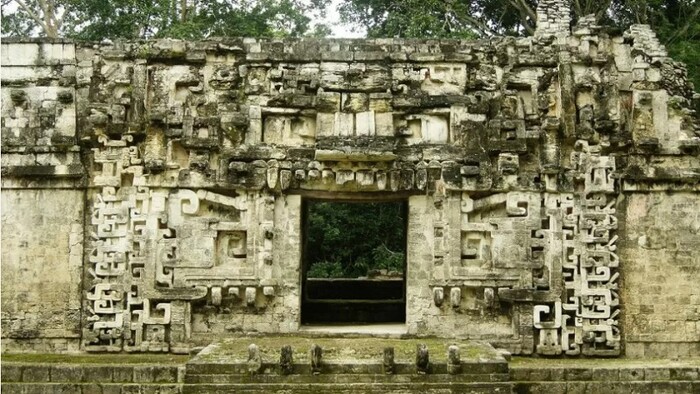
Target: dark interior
[{"x": 359, "y": 300}]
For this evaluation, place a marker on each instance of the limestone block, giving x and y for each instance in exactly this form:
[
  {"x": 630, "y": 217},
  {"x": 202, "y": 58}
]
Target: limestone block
[
  {"x": 289, "y": 130},
  {"x": 354, "y": 76},
  {"x": 432, "y": 129},
  {"x": 25, "y": 54},
  {"x": 384, "y": 124},
  {"x": 344, "y": 124},
  {"x": 444, "y": 79},
  {"x": 24, "y": 74},
  {"x": 328, "y": 102},
  {"x": 354, "y": 102},
  {"x": 380, "y": 102},
  {"x": 364, "y": 123},
  {"x": 41, "y": 246},
  {"x": 325, "y": 125}
]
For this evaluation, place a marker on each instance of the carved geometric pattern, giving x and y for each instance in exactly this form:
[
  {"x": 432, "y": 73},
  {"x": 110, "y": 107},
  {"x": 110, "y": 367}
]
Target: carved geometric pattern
[
  {"x": 585, "y": 319},
  {"x": 155, "y": 250}
]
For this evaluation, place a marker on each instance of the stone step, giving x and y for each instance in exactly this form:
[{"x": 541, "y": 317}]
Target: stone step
[
  {"x": 344, "y": 378},
  {"x": 609, "y": 387},
  {"x": 90, "y": 373},
  {"x": 90, "y": 388},
  {"x": 344, "y": 367},
  {"x": 351, "y": 388},
  {"x": 621, "y": 373}
]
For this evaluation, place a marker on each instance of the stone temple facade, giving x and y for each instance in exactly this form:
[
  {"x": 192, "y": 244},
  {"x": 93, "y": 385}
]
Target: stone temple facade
[{"x": 152, "y": 191}]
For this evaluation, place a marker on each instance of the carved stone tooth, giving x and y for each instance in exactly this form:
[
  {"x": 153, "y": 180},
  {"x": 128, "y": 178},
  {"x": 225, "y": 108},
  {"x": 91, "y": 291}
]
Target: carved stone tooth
[
  {"x": 455, "y": 296},
  {"x": 489, "y": 297},
  {"x": 422, "y": 359},
  {"x": 388, "y": 361},
  {"x": 216, "y": 296},
  {"x": 286, "y": 360},
  {"x": 254, "y": 359},
  {"x": 454, "y": 364},
  {"x": 250, "y": 293},
  {"x": 438, "y": 296},
  {"x": 315, "y": 355}
]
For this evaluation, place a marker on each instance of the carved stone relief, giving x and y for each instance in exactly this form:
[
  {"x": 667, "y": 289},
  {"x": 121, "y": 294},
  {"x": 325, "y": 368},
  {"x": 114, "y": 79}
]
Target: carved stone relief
[{"x": 195, "y": 156}]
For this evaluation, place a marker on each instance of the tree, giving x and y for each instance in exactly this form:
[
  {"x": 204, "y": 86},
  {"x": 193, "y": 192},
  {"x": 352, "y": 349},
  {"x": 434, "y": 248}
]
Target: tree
[
  {"x": 133, "y": 19},
  {"x": 677, "y": 22},
  {"x": 353, "y": 239},
  {"x": 28, "y": 15}
]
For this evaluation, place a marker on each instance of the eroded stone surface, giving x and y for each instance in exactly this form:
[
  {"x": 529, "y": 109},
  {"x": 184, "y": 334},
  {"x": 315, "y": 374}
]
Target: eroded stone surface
[{"x": 524, "y": 161}]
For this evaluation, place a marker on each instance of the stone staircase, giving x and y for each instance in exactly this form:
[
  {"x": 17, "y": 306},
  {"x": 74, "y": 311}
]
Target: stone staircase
[
  {"x": 347, "y": 365},
  {"x": 609, "y": 376},
  {"x": 29, "y": 378},
  {"x": 344, "y": 378},
  {"x": 342, "y": 369}
]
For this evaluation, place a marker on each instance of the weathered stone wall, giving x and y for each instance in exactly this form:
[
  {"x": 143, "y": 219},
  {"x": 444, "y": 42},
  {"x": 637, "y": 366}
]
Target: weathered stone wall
[
  {"x": 43, "y": 199},
  {"x": 526, "y": 163},
  {"x": 42, "y": 260},
  {"x": 661, "y": 266}
]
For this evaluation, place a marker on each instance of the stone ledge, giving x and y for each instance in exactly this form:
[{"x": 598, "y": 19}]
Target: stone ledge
[
  {"x": 606, "y": 387},
  {"x": 525, "y": 376},
  {"x": 638, "y": 374},
  {"x": 74, "y": 373},
  {"x": 90, "y": 388},
  {"x": 58, "y": 171}
]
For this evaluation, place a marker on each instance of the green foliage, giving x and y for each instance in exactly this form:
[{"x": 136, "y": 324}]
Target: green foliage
[
  {"x": 352, "y": 239},
  {"x": 133, "y": 19},
  {"x": 439, "y": 18},
  {"x": 325, "y": 269},
  {"x": 677, "y": 22},
  {"x": 688, "y": 52},
  {"x": 408, "y": 18},
  {"x": 387, "y": 259}
]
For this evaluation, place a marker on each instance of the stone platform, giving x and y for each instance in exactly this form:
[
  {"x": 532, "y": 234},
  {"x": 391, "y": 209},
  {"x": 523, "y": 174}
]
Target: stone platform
[{"x": 347, "y": 365}]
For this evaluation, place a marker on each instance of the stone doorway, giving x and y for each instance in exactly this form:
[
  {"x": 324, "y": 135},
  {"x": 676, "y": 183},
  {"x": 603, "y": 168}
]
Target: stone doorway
[{"x": 353, "y": 262}]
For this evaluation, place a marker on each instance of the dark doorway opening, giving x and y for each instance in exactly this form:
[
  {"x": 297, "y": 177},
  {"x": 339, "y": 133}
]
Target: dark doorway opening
[{"x": 354, "y": 262}]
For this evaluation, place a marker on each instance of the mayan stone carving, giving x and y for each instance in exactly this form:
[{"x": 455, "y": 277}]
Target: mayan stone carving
[{"x": 514, "y": 156}]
